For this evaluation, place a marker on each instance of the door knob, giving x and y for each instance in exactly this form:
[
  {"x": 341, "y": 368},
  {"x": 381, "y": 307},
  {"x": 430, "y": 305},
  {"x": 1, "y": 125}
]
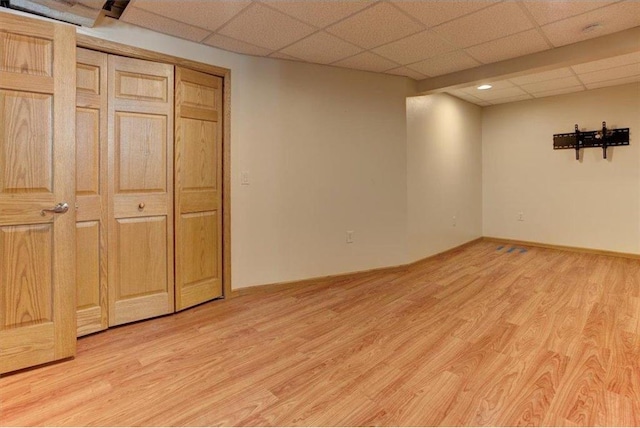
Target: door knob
[{"x": 60, "y": 208}]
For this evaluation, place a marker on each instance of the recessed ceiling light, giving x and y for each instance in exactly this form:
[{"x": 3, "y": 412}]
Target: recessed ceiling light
[
  {"x": 484, "y": 87},
  {"x": 592, "y": 27}
]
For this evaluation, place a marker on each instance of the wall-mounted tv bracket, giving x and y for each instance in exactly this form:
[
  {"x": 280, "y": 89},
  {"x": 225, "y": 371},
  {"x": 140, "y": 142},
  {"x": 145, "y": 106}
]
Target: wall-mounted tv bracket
[{"x": 603, "y": 138}]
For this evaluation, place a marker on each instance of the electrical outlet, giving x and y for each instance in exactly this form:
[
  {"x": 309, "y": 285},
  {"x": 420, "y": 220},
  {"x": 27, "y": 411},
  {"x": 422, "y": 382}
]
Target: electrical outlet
[
  {"x": 520, "y": 216},
  {"x": 244, "y": 178},
  {"x": 454, "y": 221},
  {"x": 349, "y": 236}
]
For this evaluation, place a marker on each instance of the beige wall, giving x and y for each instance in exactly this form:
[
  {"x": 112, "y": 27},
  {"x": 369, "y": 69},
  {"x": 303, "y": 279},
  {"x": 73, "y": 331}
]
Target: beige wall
[
  {"x": 325, "y": 151},
  {"x": 330, "y": 150},
  {"x": 444, "y": 174},
  {"x": 594, "y": 203}
]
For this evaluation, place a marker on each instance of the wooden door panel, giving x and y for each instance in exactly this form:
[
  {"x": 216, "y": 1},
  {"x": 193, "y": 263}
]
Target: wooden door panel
[
  {"x": 199, "y": 93},
  {"x": 27, "y": 346},
  {"x": 26, "y": 54},
  {"x": 88, "y": 151},
  {"x": 88, "y": 75},
  {"x": 199, "y": 202},
  {"x": 140, "y": 308},
  {"x": 142, "y": 256},
  {"x": 200, "y": 275},
  {"x": 88, "y": 256},
  {"x": 141, "y": 152},
  {"x": 37, "y": 171},
  {"x": 143, "y": 286},
  {"x": 137, "y": 86},
  {"x": 198, "y": 172},
  {"x": 128, "y": 205},
  {"x": 200, "y": 155},
  {"x": 200, "y": 236},
  {"x": 24, "y": 144},
  {"x": 25, "y": 280},
  {"x": 90, "y": 293},
  {"x": 141, "y": 283},
  {"x": 91, "y": 191}
]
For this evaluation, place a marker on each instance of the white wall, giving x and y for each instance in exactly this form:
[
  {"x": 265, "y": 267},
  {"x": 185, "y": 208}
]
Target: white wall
[
  {"x": 594, "y": 203},
  {"x": 325, "y": 151},
  {"x": 330, "y": 150},
  {"x": 444, "y": 173}
]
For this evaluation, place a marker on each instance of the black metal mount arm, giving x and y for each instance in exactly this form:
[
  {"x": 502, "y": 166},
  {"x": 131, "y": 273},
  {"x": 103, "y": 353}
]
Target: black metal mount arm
[{"x": 604, "y": 138}]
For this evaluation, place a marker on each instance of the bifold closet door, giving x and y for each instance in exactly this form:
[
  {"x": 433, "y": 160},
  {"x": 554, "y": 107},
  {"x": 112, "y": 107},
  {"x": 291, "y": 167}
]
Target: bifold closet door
[
  {"x": 198, "y": 178},
  {"x": 37, "y": 192},
  {"x": 91, "y": 191},
  {"x": 140, "y": 123}
]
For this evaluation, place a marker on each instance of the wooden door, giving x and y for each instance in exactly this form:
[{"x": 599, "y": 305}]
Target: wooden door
[
  {"x": 37, "y": 171},
  {"x": 91, "y": 191},
  {"x": 140, "y": 121},
  {"x": 198, "y": 179}
]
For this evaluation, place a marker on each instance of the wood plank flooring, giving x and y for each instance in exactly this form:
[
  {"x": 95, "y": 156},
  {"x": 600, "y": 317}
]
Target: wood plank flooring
[{"x": 479, "y": 336}]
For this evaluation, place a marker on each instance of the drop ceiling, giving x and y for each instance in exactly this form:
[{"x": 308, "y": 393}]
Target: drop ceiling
[
  {"x": 419, "y": 39},
  {"x": 617, "y": 70}
]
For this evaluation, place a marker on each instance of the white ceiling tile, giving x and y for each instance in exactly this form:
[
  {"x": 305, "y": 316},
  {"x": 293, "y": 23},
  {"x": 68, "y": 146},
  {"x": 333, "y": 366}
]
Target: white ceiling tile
[
  {"x": 233, "y": 45},
  {"x": 367, "y": 61},
  {"x": 262, "y": 26},
  {"x": 205, "y": 14},
  {"x": 495, "y": 85},
  {"x": 548, "y": 85},
  {"x": 414, "y": 48},
  {"x": 541, "y": 77},
  {"x": 158, "y": 23},
  {"x": 614, "y": 82},
  {"x": 375, "y": 26},
  {"x": 404, "y": 71},
  {"x": 464, "y": 34},
  {"x": 322, "y": 48},
  {"x": 432, "y": 13},
  {"x": 472, "y": 101},
  {"x": 545, "y": 12},
  {"x": 511, "y": 99},
  {"x": 280, "y": 55},
  {"x": 611, "y": 73},
  {"x": 464, "y": 96},
  {"x": 458, "y": 93},
  {"x": 484, "y": 25},
  {"x": 495, "y": 94},
  {"x": 319, "y": 13},
  {"x": 562, "y": 91},
  {"x": 613, "y": 18},
  {"x": 603, "y": 64},
  {"x": 508, "y": 47},
  {"x": 499, "y": 84},
  {"x": 443, "y": 64}
]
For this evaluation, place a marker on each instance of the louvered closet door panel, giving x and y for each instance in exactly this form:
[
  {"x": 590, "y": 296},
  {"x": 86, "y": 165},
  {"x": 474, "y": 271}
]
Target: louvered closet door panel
[
  {"x": 37, "y": 171},
  {"x": 140, "y": 121},
  {"x": 91, "y": 191},
  {"x": 198, "y": 172}
]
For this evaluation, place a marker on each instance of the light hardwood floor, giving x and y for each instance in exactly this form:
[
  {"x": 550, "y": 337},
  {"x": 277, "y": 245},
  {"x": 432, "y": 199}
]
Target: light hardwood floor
[{"x": 474, "y": 337}]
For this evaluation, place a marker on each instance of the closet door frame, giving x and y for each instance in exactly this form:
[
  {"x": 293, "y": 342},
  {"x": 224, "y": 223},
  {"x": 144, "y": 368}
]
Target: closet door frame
[
  {"x": 91, "y": 197},
  {"x": 88, "y": 42},
  {"x": 197, "y": 185}
]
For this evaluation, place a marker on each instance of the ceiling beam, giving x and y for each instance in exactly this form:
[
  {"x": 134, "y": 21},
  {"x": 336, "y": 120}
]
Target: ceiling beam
[{"x": 620, "y": 43}]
